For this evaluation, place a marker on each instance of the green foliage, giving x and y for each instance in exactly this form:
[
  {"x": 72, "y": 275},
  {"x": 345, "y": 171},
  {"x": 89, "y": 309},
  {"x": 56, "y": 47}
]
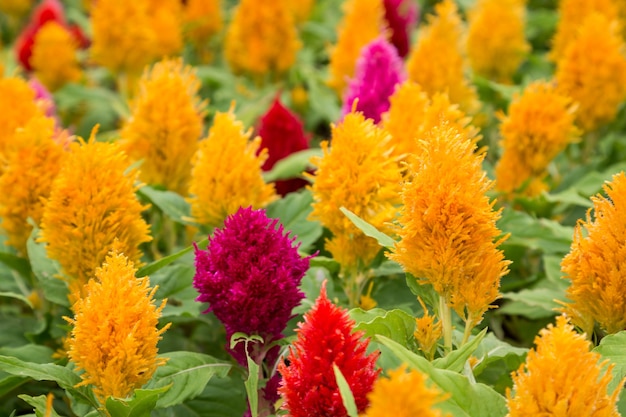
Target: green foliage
[{"x": 346, "y": 394}]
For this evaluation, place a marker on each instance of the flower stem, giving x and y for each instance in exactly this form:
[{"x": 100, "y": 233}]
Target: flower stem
[
  {"x": 445, "y": 315},
  {"x": 469, "y": 325}
]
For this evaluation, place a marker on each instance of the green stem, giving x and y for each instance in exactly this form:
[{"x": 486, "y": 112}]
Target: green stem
[
  {"x": 469, "y": 325},
  {"x": 445, "y": 315}
]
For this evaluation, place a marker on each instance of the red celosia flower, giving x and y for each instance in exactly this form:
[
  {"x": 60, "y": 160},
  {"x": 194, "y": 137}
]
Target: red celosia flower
[
  {"x": 282, "y": 133},
  {"x": 309, "y": 387},
  {"x": 401, "y": 15}
]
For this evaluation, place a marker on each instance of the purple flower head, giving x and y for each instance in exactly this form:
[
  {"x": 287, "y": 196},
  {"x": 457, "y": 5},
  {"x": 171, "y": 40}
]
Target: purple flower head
[
  {"x": 249, "y": 275},
  {"x": 401, "y": 15},
  {"x": 378, "y": 70}
]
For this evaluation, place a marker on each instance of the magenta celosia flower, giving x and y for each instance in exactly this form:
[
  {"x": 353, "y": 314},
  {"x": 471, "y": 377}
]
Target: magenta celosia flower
[
  {"x": 326, "y": 337},
  {"x": 250, "y": 274},
  {"x": 282, "y": 133},
  {"x": 401, "y": 15},
  {"x": 379, "y": 70},
  {"x": 44, "y": 97}
]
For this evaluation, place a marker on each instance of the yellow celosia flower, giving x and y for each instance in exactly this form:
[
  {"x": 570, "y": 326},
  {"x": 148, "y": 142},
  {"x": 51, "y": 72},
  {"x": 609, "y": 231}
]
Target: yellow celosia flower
[
  {"x": 92, "y": 208},
  {"x": 404, "y": 394},
  {"x": 596, "y": 264},
  {"x": 496, "y": 45},
  {"x": 261, "y": 38},
  {"x": 540, "y": 124},
  {"x": 427, "y": 332},
  {"x": 562, "y": 378},
  {"x": 30, "y": 166},
  {"x": 448, "y": 234},
  {"x": 165, "y": 125},
  {"x": 412, "y": 113},
  {"x": 54, "y": 57},
  {"x": 572, "y": 14},
  {"x": 363, "y": 21},
  {"x": 203, "y": 20},
  {"x": 593, "y": 71},
  {"x": 226, "y": 173},
  {"x": 436, "y": 61},
  {"x": 166, "y": 20},
  {"x": 114, "y": 336},
  {"x": 357, "y": 173}
]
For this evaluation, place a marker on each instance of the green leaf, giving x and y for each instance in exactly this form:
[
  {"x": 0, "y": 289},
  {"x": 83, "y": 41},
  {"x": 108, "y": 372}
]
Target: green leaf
[
  {"x": 534, "y": 303},
  {"x": 466, "y": 398},
  {"x": 611, "y": 347},
  {"x": 187, "y": 373},
  {"x": 542, "y": 234},
  {"x": 17, "y": 263},
  {"x": 170, "y": 203},
  {"x": 346, "y": 393},
  {"x": 17, "y": 297},
  {"x": 395, "y": 324},
  {"x": 175, "y": 282},
  {"x": 369, "y": 230},
  {"x": 293, "y": 211},
  {"x": 166, "y": 260},
  {"x": 40, "y": 405},
  {"x": 252, "y": 382},
  {"x": 292, "y": 166},
  {"x": 46, "y": 271},
  {"x": 140, "y": 404},
  {"x": 423, "y": 290},
  {"x": 455, "y": 360}
]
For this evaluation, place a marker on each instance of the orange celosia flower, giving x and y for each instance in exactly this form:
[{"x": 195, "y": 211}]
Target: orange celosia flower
[
  {"x": 427, "y": 332},
  {"x": 596, "y": 264},
  {"x": 92, "y": 208},
  {"x": 561, "y": 377},
  {"x": 114, "y": 336},
  {"x": 29, "y": 169},
  {"x": 357, "y": 173},
  {"x": 572, "y": 14},
  {"x": 261, "y": 38},
  {"x": 413, "y": 112},
  {"x": 227, "y": 173},
  {"x": 363, "y": 21},
  {"x": 203, "y": 20},
  {"x": 540, "y": 124},
  {"x": 166, "y": 19},
  {"x": 301, "y": 9},
  {"x": 165, "y": 124},
  {"x": 436, "y": 61},
  {"x": 404, "y": 394},
  {"x": 54, "y": 56},
  {"x": 448, "y": 234},
  {"x": 496, "y": 45},
  {"x": 593, "y": 71}
]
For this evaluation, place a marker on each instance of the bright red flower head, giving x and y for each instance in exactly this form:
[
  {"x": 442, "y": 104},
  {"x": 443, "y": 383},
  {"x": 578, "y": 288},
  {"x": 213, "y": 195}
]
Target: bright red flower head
[
  {"x": 282, "y": 133},
  {"x": 309, "y": 387},
  {"x": 401, "y": 15}
]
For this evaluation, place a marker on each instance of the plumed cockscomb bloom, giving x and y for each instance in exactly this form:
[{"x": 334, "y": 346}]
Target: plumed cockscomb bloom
[
  {"x": 596, "y": 263},
  {"x": 540, "y": 124},
  {"x": 261, "y": 38},
  {"x": 29, "y": 168},
  {"x": 226, "y": 172},
  {"x": 203, "y": 20},
  {"x": 593, "y": 71},
  {"x": 92, "y": 209},
  {"x": 412, "y": 113},
  {"x": 326, "y": 338},
  {"x": 363, "y": 21},
  {"x": 282, "y": 133},
  {"x": 165, "y": 124},
  {"x": 250, "y": 275},
  {"x": 436, "y": 61},
  {"x": 572, "y": 14},
  {"x": 449, "y": 236},
  {"x": 357, "y": 173},
  {"x": 404, "y": 394},
  {"x": 379, "y": 70},
  {"x": 114, "y": 335},
  {"x": 401, "y": 15},
  {"x": 496, "y": 43},
  {"x": 54, "y": 58},
  {"x": 561, "y": 377}
]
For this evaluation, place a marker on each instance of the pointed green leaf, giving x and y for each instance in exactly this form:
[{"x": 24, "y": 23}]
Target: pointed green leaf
[
  {"x": 397, "y": 325},
  {"x": 170, "y": 203},
  {"x": 40, "y": 405},
  {"x": 292, "y": 166},
  {"x": 369, "y": 230},
  {"x": 455, "y": 360},
  {"x": 163, "y": 262},
  {"x": 293, "y": 212},
  {"x": 17, "y": 263},
  {"x": 140, "y": 404},
  {"x": 46, "y": 271},
  {"x": 346, "y": 393},
  {"x": 611, "y": 347}
]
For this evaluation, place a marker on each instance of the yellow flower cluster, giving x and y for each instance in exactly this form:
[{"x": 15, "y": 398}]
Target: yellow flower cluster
[
  {"x": 357, "y": 173},
  {"x": 436, "y": 62},
  {"x": 561, "y": 377},
  {"x": 363, "y": 21},
  {"x": 165, "y": 125},
  {"x": 92, "y": 208},
  {"x": 261, "y": 38},
  {"x": 593, "y": 71},
  {"x": 114, "y": 336},
  {"x": 54, "y": 56},
  {"x": 496, "y": 44},
  {"x": 448, "y": 234},
  {"x": 404, "y": 394},
  {"x": 540, "y": 124},
  {"x": 427, "y": 332},
  {"x": 226, "y": 173},
  {"x": 596, "y": 264}
]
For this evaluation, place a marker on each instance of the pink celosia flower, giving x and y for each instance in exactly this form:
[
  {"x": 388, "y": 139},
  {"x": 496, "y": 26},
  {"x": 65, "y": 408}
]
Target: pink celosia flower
[
  {"x": 282, "y": 133},
  {"x": 326, "y": 337},
  {"x": 43, "y": 97},
  {"x": 401, "y": 15},
  {"x": 379, "y": 70}
]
